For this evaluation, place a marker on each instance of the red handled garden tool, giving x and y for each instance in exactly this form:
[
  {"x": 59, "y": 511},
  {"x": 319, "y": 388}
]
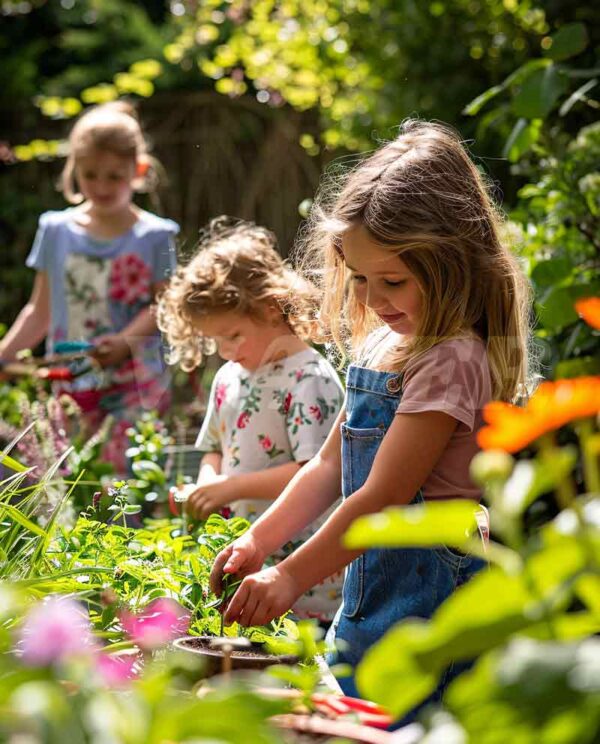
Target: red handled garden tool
[{"x": 70, "y": 360}]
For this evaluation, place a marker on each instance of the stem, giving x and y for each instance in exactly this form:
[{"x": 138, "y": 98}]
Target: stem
[{"x": 591, "y": 471}]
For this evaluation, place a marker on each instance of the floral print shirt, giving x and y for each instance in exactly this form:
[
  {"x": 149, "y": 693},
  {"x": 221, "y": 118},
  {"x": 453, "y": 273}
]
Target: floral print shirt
[
  {"x": 280, "y": 413},
  {"x": 97, "y": 287}
]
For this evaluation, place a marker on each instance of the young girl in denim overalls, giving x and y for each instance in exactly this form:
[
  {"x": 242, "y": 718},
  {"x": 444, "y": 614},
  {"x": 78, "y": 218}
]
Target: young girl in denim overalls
[{"x": 419, "y": 287}]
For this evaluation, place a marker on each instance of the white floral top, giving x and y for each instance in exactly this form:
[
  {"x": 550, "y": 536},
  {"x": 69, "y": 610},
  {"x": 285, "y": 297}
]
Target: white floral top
[{"x": 282, "y": 412}]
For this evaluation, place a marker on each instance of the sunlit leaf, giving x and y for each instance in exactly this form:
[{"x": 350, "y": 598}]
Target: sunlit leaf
[{"x": 435, "y": 523}]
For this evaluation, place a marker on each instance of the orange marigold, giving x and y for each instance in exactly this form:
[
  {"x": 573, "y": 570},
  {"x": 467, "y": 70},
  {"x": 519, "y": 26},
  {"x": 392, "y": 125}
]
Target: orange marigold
[
  {"x": 552, "y": 405},
  {"x": 589, "y": 309}
]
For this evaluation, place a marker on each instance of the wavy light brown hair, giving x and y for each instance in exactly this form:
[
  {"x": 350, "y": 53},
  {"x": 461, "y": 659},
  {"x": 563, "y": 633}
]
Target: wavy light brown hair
[
  {"x": 423, "y": 198},
  {"x": 236, "y": 269},
  {"x": 112, "y": 127}
]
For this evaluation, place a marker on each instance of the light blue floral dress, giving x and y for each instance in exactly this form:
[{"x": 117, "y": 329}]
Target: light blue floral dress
[{"x": 98, "y": 287}]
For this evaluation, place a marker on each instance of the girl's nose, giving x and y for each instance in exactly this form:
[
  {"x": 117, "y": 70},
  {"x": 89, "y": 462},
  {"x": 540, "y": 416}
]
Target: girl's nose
[{"x": 372, "y": 298}]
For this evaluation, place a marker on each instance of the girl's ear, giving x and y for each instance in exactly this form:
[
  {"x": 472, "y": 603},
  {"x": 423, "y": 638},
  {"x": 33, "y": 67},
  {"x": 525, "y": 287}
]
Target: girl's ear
[
  {"x": 272, "y": 314},
  {"x": 141, "y": 168}
]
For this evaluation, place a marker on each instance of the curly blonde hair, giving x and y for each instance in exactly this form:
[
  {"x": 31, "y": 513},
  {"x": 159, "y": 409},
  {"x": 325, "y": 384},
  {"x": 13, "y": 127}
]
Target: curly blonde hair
[
  {"x": 236, "y": 269},
  {"x": 421, "y": 197}
]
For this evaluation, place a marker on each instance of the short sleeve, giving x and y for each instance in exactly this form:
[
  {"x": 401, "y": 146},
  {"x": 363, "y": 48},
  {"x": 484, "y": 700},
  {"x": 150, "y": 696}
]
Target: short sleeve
[
  {"x": 312, "y": 405},
  {"x": 164, "y": 256},
  {"x": 452, "y": 377},
  {"x": 40, "y": 255},
  {"x": 208, "y": 439}
]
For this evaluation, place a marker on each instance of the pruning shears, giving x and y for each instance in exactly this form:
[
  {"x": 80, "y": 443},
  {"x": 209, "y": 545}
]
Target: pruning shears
[{"x": 59, "y": 366}]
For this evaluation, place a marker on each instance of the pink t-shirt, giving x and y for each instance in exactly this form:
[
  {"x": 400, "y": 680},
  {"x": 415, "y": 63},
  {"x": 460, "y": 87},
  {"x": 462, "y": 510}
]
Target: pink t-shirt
[{"x": 454, "y": 377}]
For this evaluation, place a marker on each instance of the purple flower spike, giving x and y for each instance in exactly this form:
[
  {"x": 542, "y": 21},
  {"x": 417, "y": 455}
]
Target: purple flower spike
[
  {"x": 160, "y": 622},
  {"x": 54, "y": 630}
]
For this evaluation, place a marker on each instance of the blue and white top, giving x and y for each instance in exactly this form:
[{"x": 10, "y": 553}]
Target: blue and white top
[{"x": 97, "y": 286}]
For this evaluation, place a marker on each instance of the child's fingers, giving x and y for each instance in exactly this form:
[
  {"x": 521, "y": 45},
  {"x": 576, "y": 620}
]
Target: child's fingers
[{"x": 237, "y": 604}]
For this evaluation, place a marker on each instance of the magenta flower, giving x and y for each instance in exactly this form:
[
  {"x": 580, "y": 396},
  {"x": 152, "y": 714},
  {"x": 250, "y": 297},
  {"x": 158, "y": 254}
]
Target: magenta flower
[
  {"x": 243, "y": 419},
  {"x": 130, "y": 279},
  {"x": 160, "y": 622},
  {"x": 266, "y": 443},
  {"x": 287, "y": 402},
  {"x": 220, "y": 395},
  {"x": 54, "y": 630},
  {"x": 116, "y": 670}
]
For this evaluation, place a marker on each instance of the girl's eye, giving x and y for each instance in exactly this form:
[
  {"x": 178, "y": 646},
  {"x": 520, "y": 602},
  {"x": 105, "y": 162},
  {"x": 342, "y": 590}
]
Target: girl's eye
[
  {"x": 358, "y": 278},
  {"x": 394, "y": 284}
]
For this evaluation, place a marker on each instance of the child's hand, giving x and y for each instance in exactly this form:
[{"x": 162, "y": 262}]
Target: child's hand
[
  {"x": 242, "y": 557},
  {"x": 209, "y": 497},
  {"x": 262, "y": 596},
  {"x": 111, "y": 350}
]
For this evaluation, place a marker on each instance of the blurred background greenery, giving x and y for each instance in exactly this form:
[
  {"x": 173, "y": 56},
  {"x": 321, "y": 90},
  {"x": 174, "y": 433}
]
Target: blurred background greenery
[{"x": 247, "y": 101}]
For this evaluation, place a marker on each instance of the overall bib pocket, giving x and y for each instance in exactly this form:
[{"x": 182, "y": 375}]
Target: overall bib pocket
[{"x": 359, "y": 447}]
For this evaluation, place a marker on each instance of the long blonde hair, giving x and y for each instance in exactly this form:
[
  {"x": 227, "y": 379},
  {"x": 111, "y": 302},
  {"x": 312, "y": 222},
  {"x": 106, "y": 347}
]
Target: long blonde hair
[
  {"x": 423, "y": 198},
  {"x": 236, "y": 268},
  {"x": 112, "y": 127}
]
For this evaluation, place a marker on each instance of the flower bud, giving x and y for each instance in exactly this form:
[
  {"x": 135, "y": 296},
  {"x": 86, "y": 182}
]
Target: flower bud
[{"x": 493, "y": 465}]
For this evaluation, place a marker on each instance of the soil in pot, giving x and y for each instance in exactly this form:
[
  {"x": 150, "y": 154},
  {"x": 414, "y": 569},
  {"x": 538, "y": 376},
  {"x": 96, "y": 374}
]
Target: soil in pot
[{"x": 253, "y": 658}]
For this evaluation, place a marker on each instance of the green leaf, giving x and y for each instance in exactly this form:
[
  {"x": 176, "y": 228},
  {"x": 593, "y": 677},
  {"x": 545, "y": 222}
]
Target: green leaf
[
  {"x": 568, "y": 41},
  {"x": 435, "y": 523},
  {"x": 20, "y": 518},
  {"x": 475, "y": 106},
  {"x": 577, "y": 95},
  {"x": 556, "y": 308},
  {"x": 11, "y": 463},
  {"x": 131, "y": 509},
  {"x": 539, "y": 93},
  {"x": 580, "y": 367},
  {"x": 523, "y": 135},
  {"x": 149, "y": 471},
  {"x": 552, "y": 271}
]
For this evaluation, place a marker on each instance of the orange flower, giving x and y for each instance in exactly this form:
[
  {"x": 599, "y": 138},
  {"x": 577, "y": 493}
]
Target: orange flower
[
  {"x": 552, "y": 405},
  {"x": 589, "y": 309}
]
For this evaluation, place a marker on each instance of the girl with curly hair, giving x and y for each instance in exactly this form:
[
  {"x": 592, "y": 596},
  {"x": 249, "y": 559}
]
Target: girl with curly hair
[{"x": 275, "y": 399}]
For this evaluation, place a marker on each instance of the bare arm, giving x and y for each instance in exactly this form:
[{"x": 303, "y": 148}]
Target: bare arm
[
  {"x": 213, "y": 490},
  {"x": 31, "y": 325},
  {"x": 399, "y": 470},
  {"x": 408, "y": 453},
  {"x": 114, "y": 348}
]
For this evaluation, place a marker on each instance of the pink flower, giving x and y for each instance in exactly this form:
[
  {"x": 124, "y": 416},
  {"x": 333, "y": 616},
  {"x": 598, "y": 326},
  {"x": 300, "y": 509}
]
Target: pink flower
[
  {"x": 54, "y": 630},
  {"x": 243, "y": 419},
  {"x": 316, "y": 412},
  {"x": 160, "y": 622},
  {"x": 130, "y": 279},
  {"x": 287, "y": 402},
  {"x": 220, "y": 395},
  {"x": 266, "y": 443},
  {"x": 116, "y": 670}
]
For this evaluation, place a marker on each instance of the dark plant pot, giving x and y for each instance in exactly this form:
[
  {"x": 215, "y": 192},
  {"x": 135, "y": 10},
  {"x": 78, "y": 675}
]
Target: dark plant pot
[{"x": 254, "y": 658}]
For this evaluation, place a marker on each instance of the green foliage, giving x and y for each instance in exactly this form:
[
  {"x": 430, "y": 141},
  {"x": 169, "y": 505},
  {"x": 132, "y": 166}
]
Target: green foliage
[
  {"x": 527, "y": 619},
  {"x": 72, "y": 702},
  {"x": 362, "y": 64}
]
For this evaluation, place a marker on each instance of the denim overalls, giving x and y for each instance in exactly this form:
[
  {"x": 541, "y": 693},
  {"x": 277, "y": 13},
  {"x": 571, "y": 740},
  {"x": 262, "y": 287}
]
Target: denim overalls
[{"x": 384, "y": 586}]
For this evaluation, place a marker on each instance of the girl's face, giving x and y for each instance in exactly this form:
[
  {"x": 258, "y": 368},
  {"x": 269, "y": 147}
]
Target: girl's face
[
  {"x": 243, "y": 338},
  {"x": 105, "y": 180},
  {"x": 383, "y": 282}
]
